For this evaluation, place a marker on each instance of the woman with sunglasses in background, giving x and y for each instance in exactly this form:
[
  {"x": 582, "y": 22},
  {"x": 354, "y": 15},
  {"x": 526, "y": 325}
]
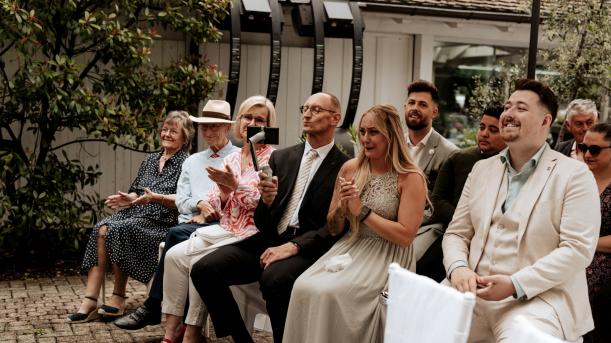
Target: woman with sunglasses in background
[{"x": 596, "y": 152}]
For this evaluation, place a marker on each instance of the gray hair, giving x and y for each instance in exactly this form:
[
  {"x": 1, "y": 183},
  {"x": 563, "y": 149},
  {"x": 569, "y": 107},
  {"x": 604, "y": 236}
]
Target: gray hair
[
  {"x": 581, "y": 106},
  {"x": 186, "y": 126}
]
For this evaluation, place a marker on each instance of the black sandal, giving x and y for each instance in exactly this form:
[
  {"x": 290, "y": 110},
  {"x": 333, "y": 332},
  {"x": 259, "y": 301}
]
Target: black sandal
[
  {"x": 111, "y": 311},
  {"x": 78, "y": 317}
]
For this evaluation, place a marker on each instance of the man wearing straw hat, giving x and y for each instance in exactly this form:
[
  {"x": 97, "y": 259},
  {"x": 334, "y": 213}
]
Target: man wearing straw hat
[{"x": 193, "y": 186}]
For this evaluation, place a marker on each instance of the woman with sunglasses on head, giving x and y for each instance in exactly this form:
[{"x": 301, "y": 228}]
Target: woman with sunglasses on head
[
  {"x": 596, "y": 153},
  {"x": 234, "y": 200}
]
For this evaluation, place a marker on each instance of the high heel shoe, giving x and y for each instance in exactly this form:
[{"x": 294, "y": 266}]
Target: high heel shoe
[
  {"x": 79, "y": 317},
  {"x": 111, "y": 311}
]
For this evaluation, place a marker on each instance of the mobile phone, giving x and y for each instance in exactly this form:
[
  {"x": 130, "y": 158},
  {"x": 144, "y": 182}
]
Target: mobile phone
[{"x": 270, "y": 136}]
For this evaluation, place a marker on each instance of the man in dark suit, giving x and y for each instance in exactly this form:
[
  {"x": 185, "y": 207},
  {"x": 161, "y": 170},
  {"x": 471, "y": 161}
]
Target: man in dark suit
[
  {"x": 291, "y": 217},
  {"x": 581, "y": 115}
]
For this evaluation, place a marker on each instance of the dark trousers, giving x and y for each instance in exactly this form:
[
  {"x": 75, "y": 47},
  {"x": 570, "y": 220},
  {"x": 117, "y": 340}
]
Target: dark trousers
[
  {"x": 239, "y": 264},
  {"x": 175, "y": 235},
  {"x": 431, "y": 263}
]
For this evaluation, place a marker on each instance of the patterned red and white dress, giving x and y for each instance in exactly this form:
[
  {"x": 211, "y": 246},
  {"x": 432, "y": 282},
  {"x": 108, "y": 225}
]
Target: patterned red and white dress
[{"x": 237, "y": 216}]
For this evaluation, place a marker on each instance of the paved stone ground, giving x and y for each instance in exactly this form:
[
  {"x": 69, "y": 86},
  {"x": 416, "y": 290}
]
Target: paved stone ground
[{"x": 35, "y": 310}]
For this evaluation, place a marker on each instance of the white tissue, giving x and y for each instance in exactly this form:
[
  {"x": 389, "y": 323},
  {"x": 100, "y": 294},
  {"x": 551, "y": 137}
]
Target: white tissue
[{"x": 337, "y": 263}]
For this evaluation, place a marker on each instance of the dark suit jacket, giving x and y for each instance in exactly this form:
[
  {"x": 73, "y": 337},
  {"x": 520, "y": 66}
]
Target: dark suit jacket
[
  {"x": 312, "y": 236},
  {"x": 565, "y": 147}
]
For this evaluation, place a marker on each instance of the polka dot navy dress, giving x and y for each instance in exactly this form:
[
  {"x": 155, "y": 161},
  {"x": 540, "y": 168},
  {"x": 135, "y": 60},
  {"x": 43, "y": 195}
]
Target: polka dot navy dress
[{"x": 134, "y": 233}]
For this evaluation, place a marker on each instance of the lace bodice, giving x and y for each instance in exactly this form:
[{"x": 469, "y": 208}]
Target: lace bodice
[{"x": 382, "y": 197}]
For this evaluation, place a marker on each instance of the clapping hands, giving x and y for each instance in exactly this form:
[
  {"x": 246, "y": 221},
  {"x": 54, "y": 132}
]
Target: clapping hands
[
  {"x": 350, "y": 196},
  {"x": 121, "y": 199},
  {"x": 145, "y": 198},
  {"x": 225, "y": 179}
]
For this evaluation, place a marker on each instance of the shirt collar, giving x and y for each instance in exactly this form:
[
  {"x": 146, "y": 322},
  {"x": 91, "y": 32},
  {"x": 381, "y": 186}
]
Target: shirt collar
[
  {"x": 322, "y": 151},
  {"x": 531, "y": 164},
  {"x": 423, "y": 141},
  {"x": 224, "y": 151}
]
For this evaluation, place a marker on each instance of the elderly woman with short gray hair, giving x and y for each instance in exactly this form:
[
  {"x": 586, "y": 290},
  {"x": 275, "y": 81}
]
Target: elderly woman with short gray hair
[{"x": 129, "y": 239}]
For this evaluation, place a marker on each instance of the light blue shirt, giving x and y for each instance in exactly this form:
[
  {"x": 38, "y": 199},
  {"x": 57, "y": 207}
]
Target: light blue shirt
[
  {"x": 515, "y": 179},
  {"x": 194, "y": 184},
  {"x": 515, "y": 182}
]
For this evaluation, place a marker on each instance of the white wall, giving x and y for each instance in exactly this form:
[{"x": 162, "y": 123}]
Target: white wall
[{"x": 397, "y": 49}]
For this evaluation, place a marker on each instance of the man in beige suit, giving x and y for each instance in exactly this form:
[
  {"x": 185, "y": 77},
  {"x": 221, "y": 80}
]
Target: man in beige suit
[{"x": 525, "y": 229}]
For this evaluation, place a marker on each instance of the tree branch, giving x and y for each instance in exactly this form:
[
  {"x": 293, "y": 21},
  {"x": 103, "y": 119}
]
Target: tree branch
[{"x": 83, "y": 140}]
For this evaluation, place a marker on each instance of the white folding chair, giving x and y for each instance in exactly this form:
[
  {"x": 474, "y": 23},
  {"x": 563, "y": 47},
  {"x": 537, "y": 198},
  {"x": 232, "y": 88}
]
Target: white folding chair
[
  {"x": 526, "y": 332},
  {"x": 417, "y": 305}
]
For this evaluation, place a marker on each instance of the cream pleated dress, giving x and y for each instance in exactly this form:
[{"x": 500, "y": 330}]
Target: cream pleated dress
[{"x": 344, "y": 306}]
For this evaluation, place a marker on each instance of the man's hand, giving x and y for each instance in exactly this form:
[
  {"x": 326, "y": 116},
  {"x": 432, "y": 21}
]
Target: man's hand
[
  {"x": 273, "y": 254},
  {"x": 464, "y": 280},
  {"x": 268, "y": 187},
  {"x": 206, "y": 213},
  {"x": 495, "y": 287}
]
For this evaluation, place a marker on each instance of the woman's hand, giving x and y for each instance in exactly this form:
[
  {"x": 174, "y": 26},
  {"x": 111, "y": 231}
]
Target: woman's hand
[
  {"x": 349, "y": 196},
  {"x": 225, "y": 179},
  {"x": 121, "y": 199},
  {"x": 146, "y": 197}
]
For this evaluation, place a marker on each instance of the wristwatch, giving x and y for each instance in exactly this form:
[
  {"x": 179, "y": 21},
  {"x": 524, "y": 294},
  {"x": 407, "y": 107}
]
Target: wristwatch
[{"x": 365, "y": 212}]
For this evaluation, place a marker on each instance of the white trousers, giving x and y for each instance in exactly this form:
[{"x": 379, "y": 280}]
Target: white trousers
[{"x": 493, "y": 321}]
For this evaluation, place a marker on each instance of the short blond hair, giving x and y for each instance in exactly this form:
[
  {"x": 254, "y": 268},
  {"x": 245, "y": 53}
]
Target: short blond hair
[{"x": 255, "y": 101}]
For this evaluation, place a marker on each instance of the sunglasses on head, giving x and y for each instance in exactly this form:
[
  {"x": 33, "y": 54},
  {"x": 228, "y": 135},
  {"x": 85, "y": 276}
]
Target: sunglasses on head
[{"x": 593, "y": 149}]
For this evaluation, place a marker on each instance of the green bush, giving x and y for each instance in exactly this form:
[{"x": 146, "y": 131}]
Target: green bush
[{"x": 85, "y": 66}]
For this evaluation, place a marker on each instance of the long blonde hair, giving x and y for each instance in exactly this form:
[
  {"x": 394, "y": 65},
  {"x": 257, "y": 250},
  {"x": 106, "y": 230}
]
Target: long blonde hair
[{"x": 386, "y": 119}]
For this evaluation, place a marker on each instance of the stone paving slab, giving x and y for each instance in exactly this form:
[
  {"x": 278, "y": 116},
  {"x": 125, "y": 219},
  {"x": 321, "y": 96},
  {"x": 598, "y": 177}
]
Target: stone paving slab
[{"x": 35, "y": 310}]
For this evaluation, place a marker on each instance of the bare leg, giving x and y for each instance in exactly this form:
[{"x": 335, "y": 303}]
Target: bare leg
[
  {"x": 95, "y": 277},
  {"x": 194, "y": 335},
  {"x": 172, "y": 325},
  {"x": 118, "y": 293}
]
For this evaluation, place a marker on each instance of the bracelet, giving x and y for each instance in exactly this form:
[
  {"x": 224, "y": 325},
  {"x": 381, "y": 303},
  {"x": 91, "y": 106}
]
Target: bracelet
[
  {"x": 162, "y": 199},
  {"x": 365, "y": 212}
]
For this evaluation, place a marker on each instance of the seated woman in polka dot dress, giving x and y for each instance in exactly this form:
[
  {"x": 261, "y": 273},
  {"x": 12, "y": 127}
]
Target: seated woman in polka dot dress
[
  {"x": 129, "y": 239},
  {"x": 234, "y": 199}
]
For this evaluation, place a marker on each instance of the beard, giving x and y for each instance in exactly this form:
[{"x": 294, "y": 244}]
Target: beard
[{"x": 416, "y": 124}]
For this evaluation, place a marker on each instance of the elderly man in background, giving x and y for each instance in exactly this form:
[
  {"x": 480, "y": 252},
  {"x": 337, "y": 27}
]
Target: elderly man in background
[
  {"x": 193, "y": 187},
  {"x": 581, "y": 115},
  {"x": 450, "y": 182},
  {"x": 525, "y": 229},
  {"x": 291, "y": 217}
]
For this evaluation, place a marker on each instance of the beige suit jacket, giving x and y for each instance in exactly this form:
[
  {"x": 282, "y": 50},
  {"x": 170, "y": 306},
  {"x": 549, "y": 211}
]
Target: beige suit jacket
[{"x": 559, "y": 223}]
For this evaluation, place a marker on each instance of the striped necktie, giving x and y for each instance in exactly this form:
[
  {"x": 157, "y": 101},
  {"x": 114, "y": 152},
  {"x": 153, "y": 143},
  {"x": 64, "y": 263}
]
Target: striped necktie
[{"x": 302, "y": 179}]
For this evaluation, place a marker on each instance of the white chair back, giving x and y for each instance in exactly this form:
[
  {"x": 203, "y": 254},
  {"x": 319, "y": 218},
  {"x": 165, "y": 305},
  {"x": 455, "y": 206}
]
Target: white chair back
[
  {"x": 421, "y": 310},
  {"x": 526, "y": 332}
]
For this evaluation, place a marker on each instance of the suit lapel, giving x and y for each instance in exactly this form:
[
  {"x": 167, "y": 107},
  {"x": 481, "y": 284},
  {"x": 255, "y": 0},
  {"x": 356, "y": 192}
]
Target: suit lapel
[
  {"x": 291, "y": 165},
  {"x": 431, "y": 144},
  {"x": 492, "y": 185},
  {"x": 532, "y": 189},
  {"x": 322, "y": 173}
]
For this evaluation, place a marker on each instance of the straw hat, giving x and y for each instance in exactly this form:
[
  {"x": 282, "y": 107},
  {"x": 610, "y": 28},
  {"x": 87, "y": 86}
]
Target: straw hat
[{"x": 215, "y": 112}]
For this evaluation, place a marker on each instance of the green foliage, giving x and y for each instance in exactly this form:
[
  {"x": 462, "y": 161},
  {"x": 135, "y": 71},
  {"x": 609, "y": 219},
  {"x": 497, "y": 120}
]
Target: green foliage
[
  {"x": 85, "y": 65},
  {"x": 581, "y": 63},
  {"x": 493, "y": 91}
]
